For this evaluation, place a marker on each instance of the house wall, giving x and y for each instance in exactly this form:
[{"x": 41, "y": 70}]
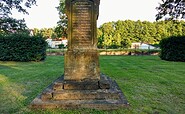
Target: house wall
[
  {"x": 141, "y": 46},
  {"x": 54, "y": 44}
]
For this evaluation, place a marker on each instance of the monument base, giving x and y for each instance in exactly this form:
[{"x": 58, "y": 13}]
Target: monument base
[{"x": 107, "y": 96}]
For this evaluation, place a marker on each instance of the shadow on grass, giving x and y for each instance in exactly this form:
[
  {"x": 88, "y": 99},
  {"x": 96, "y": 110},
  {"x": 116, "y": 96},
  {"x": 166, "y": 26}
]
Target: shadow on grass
[
  {"x": 21, "y": 82},
  {"x": 4, "y": 67}
]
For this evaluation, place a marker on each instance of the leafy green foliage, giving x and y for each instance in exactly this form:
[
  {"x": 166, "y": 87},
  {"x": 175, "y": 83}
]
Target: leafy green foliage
[
  {"x": 173, "y": 48},
  {"x": 18, "y": 47},
  {"x": 45, "y": 33},
  {"x": 61, "y": 29},
  {"x": 173, "y": 8},
  {"x": 6, "y": 6},
  {"x": 9, "y": 25},
  {"x": 61, "y": 46},
  {"x": 121, "y": 34}
]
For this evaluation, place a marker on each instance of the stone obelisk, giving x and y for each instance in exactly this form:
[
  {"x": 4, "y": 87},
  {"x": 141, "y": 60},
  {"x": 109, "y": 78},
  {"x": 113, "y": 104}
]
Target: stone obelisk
[{"x": 81, "y": 59}]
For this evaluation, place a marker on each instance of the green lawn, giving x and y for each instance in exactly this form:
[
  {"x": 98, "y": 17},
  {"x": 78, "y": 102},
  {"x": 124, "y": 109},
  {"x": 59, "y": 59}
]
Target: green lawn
[{"x": 150, "y": 84}]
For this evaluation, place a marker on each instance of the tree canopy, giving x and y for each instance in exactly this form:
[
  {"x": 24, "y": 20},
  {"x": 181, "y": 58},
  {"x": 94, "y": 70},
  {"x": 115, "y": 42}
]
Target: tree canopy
[
  {"x": 9, "y": 24},
  {"x": 6, "y": 6},
  {"x": 173, "y": 8},
  {"x": 61, "y": 29},
  {"x": 121, "y": 34}
]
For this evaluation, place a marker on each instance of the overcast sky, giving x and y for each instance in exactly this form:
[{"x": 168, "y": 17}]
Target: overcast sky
[{"x": 45, "y": 14}]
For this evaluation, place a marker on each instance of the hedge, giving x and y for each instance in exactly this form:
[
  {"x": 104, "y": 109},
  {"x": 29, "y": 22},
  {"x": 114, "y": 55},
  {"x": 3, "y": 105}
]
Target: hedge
[
  {"x": 19, "y": 47},
  {"x": 173, "y": 48}
]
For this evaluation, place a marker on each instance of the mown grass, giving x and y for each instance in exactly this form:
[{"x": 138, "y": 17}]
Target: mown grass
[{"x": 149, "y": 84}]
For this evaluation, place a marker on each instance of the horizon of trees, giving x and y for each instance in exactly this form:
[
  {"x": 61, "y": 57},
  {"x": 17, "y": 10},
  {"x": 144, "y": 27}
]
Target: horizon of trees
[
  {"x": 122, "y": 33},
  {"x": 174, "y": 9},
  {"x": 119, "y": 34}
]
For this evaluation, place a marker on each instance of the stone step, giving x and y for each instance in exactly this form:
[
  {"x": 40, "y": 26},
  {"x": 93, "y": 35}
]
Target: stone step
[
  {"x": 86, "y": 85},
  {"x": 70, "y": 85},
  {"x": 84, "y": 95},
  {"x": 103, "y": 83},
  {"x": 79, "y": 104}
]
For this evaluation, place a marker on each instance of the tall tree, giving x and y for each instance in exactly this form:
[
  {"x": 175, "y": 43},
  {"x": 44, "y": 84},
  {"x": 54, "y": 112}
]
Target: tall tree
[
  {"x": 139, "y": 31},
  {"x": 61, "y": 29},
  {"x": 174, "y": 8},
  {"x": 100, "y": 38},
  {"x": 108, "y": 33}
]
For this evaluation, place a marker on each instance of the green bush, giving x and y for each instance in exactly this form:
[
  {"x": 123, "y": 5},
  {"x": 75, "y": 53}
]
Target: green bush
[
  {"x": 173, "y": 48},
  {"x": 19, "y": 47}
]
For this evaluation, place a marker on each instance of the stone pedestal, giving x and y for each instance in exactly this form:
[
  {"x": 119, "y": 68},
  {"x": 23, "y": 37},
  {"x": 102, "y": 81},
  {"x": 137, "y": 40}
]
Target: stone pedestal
[
  {"x": 81, "y": 69},
  {"x": 81, "y": 65},
  {"x": 82, "y": 85},
  {"x": 107, "y": 96}
]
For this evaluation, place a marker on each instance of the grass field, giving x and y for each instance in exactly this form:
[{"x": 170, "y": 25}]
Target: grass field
[{"x": 149, "y": 84}]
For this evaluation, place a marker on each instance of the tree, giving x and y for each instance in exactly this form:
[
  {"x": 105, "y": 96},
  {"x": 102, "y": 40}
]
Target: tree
[
  {"x": 47, "y": 33},
  {"x": 6, "y": 6},
  {"x": 174, "y": 8},
  {"x": 139, "y": 31},
  {"x": 61, "y": 29},
  {"x": 108, "y": 33},
  {"x": 123, "y": 33},
  {"x": 8, "y": 24},
  {"x": 100, "y": 38}
]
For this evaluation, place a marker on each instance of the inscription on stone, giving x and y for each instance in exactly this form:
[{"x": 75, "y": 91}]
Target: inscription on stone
[{"x": 82, "y": 23}]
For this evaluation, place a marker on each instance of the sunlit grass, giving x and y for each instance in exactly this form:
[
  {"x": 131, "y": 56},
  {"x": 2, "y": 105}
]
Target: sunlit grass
[{"x": 149, "y": 84}]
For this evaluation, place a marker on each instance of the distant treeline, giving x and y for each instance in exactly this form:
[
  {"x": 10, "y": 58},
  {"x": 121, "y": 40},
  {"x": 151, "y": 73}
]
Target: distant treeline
[{"x": 121, "y": 34}]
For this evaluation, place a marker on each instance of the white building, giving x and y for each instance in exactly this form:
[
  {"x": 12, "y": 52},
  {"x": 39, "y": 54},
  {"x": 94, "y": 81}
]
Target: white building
[
  {"x": 54, "y": 44},
  {"x": 64, "y": 42},
  {"x": 139, "y": 45}
]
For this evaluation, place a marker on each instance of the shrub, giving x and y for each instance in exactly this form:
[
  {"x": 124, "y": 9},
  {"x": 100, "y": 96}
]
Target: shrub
[
  {"x": 19, "y": 47},
  {"x": 173, "y": 48}
]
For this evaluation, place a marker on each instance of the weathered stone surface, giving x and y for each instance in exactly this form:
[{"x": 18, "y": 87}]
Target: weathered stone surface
[
  {"x": 84, "y": 85},
  {"x": 78, "y": 104},
  {"x": 103, "y": 99},
  {"x": 104, "y": 82},
  {"x": 81, "y": 65},
  {"x": 58, "y": 86},
  {"x": 47, "y": 94},
  {"x": 82, "y": 23},
  {"x": 81, "y": 59},
  {"x": 85, "y": 95}
]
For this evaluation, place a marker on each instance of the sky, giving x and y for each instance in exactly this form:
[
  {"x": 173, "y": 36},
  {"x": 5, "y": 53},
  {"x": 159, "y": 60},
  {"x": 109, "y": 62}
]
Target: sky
[{"x": 45, "y": 14}]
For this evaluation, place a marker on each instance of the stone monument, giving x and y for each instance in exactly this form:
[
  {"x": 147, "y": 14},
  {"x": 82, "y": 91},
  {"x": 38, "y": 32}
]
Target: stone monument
[
  {"x": 81, "y": 59},
  {"x": 82, "y": 85}
]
